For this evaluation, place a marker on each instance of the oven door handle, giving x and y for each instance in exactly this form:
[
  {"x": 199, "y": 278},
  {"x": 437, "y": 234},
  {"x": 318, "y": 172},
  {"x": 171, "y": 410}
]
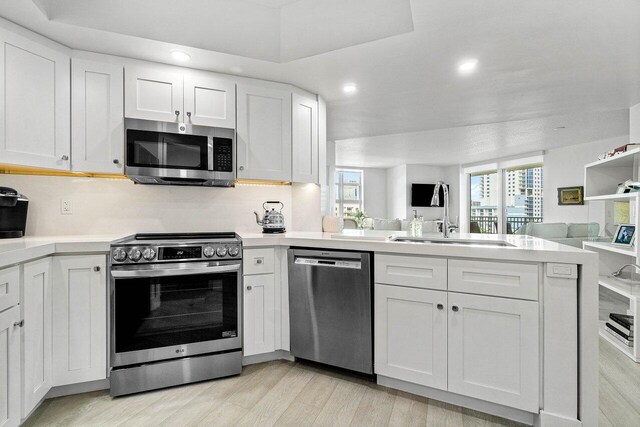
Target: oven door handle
[{"x": 177, "y": 271}]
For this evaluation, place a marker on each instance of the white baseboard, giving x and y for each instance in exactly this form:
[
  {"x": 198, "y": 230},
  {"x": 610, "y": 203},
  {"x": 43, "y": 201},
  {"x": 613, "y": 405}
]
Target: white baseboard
[
  {"x": 267, "y": 357},
  {"x": 547, "y": 419},
  {"x": 464, "y": 401},
  {"x": 66, "y": 390}
]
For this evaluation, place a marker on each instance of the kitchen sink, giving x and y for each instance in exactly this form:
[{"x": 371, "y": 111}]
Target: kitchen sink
[{"x": 465, "y": 242}]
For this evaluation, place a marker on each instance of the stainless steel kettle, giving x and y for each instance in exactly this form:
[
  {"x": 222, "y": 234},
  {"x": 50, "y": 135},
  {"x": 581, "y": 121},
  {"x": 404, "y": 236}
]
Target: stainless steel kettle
[{"x": 272, "y": 221}]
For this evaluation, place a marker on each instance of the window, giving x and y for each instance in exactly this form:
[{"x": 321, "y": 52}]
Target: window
[
  {"x": 504, "y": 196},
  {"x": 348, "y": 192}
]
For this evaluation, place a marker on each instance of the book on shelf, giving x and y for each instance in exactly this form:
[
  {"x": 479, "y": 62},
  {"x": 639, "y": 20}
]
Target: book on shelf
[
  {"x": 624, "y": 320},
  {"x": 628, "y": 343},
  {"x": 621, "y": 328},
  {"x": 619, "y": 335}
]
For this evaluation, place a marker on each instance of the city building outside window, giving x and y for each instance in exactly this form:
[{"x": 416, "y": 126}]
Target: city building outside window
[{"x": 349, "y": 191}]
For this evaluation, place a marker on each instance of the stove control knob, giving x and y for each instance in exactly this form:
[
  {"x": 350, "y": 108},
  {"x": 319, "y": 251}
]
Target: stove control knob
[
  {"x": 148, "y": 254},
  {"x": 234, "y": 251},
  {"x": 119, "y": 255},
  {"x": 221, "y": 251},
  {"x": 135, "y": 254},
  {"x": 209, "y": 251}
]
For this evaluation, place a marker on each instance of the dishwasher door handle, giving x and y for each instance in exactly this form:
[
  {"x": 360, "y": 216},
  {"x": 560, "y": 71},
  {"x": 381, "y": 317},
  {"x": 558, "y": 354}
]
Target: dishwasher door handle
[{"x": 327, "y": 262}]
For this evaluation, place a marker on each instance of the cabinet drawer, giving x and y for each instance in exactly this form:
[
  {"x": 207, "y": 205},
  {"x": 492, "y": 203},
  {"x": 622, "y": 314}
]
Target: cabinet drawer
[
  {"x": 494, "y": 278},
  {"x": 413, "y": 271},
  {"x": 9, "y": 287},
  {"x": 258, "y": 261}
]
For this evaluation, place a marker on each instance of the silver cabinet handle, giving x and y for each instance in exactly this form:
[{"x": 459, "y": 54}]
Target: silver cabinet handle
[
  {"x": 19, "y": 324},
  {"x": 241, "y": 168},
  {"x": 259, "y": 260},
  {"x": 454, "y": 308},
  {"x": 177, "y": 113},
  {"x": 249, "y": 288},
  {"x": 65, "y": 157},
  {"x": 116, "y": 161},
  {"x": 440, "y": 306},
  {"x": 189, "y": 114},
  {"x": 96, "y": 268}
]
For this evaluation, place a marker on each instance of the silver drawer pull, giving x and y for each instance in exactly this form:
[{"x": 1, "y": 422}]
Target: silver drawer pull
[
  {"x": 19, "y": 324},
  {"x": 259, "y": 260},
  {"x": 96, "y": 268},
  {"x": 249, "y": 288}
]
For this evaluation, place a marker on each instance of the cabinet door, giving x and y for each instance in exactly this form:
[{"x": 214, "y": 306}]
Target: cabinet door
[
  {"x": 259, "y": 314},
  {"x": 305, "y": 139},
  {"x": 210, "y": 101},
  {"x": 493, "y": 350},
  {"x": 97, "y": 117},
  {"x": 152, "y": 94},
  {"x": 36, "y": 333},
  {"x": 411, "y": 335},
  {"x": 34, "y": 104},
  {"x": 10, "y": 368},
  {"x": 79, "y": 319},
  {"x": 264, "y": 133}
]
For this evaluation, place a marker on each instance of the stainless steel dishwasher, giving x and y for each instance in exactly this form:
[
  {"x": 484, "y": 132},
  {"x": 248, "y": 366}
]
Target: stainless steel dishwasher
[{"x": 330, "y": 308}]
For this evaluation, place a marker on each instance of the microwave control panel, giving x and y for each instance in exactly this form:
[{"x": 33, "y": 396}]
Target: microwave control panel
[{"x": 222, "y": 155}]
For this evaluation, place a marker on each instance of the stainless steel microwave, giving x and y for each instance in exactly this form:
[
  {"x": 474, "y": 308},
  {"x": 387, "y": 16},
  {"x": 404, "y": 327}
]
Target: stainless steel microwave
[{"x": 158, "y": 153}]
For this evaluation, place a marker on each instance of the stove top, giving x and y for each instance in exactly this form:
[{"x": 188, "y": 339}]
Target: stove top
[{"x": 146, "y": 248}]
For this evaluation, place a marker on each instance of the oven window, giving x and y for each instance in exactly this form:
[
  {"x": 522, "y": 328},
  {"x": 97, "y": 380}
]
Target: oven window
[
  {"x": 167, "y": 311},
  {"x": 166, "y": 150}
]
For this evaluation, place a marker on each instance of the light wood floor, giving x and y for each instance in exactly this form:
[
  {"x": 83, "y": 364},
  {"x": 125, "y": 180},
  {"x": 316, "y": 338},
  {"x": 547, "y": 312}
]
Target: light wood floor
[{"x": 293, "y": 394}]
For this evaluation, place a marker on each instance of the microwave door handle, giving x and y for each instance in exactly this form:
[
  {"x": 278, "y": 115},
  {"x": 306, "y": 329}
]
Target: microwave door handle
[
  {"x": 164, "y": 272},
  {"x": 210, "y": 152}
]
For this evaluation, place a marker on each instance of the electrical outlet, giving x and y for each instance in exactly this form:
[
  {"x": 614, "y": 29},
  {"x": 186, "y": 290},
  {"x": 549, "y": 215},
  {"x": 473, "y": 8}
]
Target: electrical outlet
[{"x": 65, "y": 207}]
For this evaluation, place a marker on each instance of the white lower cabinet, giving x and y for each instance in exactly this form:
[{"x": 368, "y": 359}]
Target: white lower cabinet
[
  {"x": 79, "y": 319},
  {"x": 494, "y": 350},
  {"x": 36, "y": 333},
  {"x": 482, "y": 347},
  {"x": 10, "y": 367},
  {"x": 259, "y": 314},
  {"x": 411, "y": 335}
]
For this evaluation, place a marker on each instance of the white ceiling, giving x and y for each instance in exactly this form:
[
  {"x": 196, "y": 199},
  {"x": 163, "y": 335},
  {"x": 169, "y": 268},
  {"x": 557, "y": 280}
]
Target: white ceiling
[
  {"x": 276, "y": 30},
  {"x": 538, "y": 59}
]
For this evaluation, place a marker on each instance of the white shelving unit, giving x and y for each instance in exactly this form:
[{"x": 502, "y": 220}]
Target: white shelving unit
[{"x": 601, "y": 181}]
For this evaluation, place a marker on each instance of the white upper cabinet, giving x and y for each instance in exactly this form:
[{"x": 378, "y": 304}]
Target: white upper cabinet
[
  {"x": 97, "y": 117},
  {"x": 153, "y": 94},
  {"x": 305, "y": 139},
  {"x": 209, "y": 101},
  {"x": 264, "y": 133},
  {"x": 36, "y": 334},
  {"x": 34, "y": 103},
  {"x": 79, "y": 319}
]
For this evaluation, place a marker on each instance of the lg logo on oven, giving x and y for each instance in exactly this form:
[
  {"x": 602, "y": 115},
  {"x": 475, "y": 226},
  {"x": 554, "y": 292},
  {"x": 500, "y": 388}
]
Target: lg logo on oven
[{"x": 180, "y": 350}]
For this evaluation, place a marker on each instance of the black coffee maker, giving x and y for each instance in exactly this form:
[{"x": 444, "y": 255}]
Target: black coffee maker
[{"x": 13, "y": 213}]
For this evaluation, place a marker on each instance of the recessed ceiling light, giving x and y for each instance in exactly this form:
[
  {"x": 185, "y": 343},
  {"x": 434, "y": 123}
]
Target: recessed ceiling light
[
  {"x": 349, "y": 88},
  {"x": 467, "y": 66},
  {"x": 180, "y": 56}
]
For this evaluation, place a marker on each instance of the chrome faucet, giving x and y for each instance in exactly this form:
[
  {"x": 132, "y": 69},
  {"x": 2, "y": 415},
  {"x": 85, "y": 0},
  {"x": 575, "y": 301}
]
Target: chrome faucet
[
  {"x": 619, "y": 272},
  {"x": 435, "y": 201}
]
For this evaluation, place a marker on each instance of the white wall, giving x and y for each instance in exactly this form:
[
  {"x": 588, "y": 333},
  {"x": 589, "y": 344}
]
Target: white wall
[
  {"x": 397, "y": 192},
  {"x": 375, "y": 192},
  {"x": 634, "y": 124},
  {"x": 564, "y": 167},
  {"x": 106, "y": 206}
]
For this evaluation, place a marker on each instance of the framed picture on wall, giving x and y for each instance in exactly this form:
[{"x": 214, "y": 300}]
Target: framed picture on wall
[{"x": 570, "y": 196}]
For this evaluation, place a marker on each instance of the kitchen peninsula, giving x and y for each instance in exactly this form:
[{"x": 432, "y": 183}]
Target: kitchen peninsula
[{"x": 504, "y": 325}]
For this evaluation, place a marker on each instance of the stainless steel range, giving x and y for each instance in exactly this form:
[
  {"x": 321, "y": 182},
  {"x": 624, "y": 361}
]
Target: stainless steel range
[{"x": 175, "y": 310}]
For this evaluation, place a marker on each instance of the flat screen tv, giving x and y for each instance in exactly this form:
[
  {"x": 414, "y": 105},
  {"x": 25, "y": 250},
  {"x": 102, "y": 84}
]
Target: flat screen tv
[{"x": 421, "y": 195}]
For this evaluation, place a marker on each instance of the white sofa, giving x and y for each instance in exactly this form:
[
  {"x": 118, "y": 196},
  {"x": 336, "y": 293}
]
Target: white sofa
[{"x": 571, "y": 234}]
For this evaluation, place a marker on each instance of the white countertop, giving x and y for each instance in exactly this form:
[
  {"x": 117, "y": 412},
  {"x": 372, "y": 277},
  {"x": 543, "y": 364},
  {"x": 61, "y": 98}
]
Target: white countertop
[{"x": 526, "y": 248}]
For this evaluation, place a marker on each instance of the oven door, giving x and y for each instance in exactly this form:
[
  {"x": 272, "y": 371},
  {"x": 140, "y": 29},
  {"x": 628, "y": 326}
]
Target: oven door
[{"x": 167, "y": 311}]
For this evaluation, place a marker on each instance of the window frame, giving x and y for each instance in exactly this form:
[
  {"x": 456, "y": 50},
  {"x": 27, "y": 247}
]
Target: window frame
[{"x": 339, "y": 182}]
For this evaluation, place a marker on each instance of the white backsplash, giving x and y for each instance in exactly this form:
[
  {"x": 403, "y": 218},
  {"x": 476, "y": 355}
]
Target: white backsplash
[{"x": 107, "y": 206}]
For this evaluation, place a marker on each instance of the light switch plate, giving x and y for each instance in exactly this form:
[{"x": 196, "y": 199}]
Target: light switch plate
[{"x": 65, "y": 207}]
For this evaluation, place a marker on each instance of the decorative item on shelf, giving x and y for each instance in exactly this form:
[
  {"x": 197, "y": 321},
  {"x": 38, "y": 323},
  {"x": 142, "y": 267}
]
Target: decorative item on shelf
[
  {"x": 621, "y": 327},
  {"x": 618, "y": 150},
  {"x": 629, "y": 186},
  {"x": 360, "y": 217},
  {"x": 625, "y": 235},
  {"x": 570, "y": 196}
]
